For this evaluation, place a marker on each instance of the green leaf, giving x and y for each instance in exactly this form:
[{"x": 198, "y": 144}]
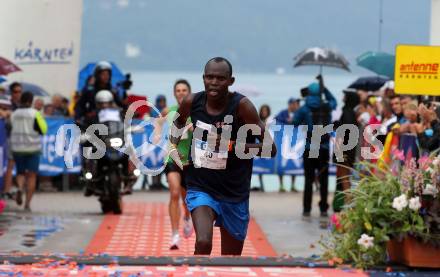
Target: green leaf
[
  {"x": 406, "y": 227},
  {"x": 368, "y": 226}
]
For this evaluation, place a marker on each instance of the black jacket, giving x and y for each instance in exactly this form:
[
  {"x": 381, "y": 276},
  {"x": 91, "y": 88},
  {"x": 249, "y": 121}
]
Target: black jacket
[
  {"x": 431, "y": 143},
  {"x": 348, "y": 115}
]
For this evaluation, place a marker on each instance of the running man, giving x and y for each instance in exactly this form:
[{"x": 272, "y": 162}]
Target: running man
[
  {"x": 220, "y": 168},
  {"x": 175, "y": 175}
]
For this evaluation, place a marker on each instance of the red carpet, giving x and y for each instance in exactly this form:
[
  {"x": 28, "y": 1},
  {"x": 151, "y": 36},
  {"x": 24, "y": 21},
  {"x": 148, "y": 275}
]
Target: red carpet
[{"x": 144, "y": 230}]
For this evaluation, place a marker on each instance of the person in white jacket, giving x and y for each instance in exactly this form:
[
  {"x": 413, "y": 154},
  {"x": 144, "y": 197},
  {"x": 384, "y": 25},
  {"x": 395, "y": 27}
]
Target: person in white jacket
[{"x": 28, "y": 125}]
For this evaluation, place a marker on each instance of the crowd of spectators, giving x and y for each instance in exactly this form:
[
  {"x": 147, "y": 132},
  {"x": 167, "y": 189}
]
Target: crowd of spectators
[
  {"x": 406, "y": 123},
  {"x": 80, "y": 107}
]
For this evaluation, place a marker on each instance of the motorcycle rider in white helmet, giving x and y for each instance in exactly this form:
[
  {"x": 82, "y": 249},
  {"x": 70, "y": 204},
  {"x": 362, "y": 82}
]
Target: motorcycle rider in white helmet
[
  {"x": 107, "y": 110},
  {"x": 104, "y": 99}
]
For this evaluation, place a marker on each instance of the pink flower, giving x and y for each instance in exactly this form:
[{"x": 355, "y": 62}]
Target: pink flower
[
  {"x": 395, "y": 168},
  {"x": 334, "y": 220},
  {"x": 2, "y": 205},
  {"x": 424, "y": 162},
  {"x": 419, "y": 182},
  {"x": 398, "y": 154}
]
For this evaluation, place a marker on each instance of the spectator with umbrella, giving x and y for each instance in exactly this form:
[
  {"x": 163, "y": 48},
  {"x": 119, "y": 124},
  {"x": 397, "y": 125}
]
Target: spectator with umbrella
[
  {"x": 85, "y": 108},
  {"x": 315, "y": 112},
  {"x": 87, "y": 74},
  {"x": 36, "y": 90},
  {"x": 15, "y": 89}
]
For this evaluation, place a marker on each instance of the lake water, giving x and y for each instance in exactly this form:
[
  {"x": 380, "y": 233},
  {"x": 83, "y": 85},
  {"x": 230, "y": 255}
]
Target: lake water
[
  {"x": 261, "y": 88},
  {"x": 267, "y": 88}
]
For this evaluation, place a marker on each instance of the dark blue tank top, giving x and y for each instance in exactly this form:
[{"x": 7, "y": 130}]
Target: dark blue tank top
[{"x": 222, "y": 175}]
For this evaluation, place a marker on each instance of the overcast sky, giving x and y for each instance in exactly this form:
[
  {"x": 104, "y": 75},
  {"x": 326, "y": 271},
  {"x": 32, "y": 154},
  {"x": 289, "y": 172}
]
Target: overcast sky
[{"x": 256, "y": 35}]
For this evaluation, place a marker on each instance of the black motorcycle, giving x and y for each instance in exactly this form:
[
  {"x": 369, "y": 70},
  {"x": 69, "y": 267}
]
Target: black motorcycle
[{"x": 108, "y": 177}]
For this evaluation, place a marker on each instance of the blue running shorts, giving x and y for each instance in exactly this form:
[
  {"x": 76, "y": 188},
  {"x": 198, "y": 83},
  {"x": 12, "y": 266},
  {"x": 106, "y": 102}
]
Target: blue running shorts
[
  {"x": 234, "y": 217},
  {"x": 26, "y": 162}
]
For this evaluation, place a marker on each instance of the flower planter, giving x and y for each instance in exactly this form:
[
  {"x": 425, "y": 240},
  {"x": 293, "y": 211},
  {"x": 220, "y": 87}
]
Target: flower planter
[{"x": 414, "y": 253}]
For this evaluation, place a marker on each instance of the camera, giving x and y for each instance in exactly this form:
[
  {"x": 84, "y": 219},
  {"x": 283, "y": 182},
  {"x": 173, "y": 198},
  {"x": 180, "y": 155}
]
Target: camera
[
  {"x": 304, "y": 92},
  {"x": 127, "y": 83}
]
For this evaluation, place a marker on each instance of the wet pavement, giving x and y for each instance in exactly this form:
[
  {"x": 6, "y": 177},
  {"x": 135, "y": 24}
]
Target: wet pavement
[
  {"x": 29, "y": 231},
  {"x": 35, "y": 233},
  {"x": 66, "y": 223},
  {"x": 59, "y": 223}
]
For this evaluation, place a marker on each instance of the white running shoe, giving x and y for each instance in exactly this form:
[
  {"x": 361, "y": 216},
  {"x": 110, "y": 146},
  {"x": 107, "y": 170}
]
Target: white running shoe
[
  {"x": 175, "y": 239},
  {"x": 187, "y": 227}
]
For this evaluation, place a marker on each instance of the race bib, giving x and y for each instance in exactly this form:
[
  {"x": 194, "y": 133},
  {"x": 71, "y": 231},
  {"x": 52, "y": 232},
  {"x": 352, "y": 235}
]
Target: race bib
[
  {"x": 109, "y": 115},
  {"x": 208, "y": 158}
]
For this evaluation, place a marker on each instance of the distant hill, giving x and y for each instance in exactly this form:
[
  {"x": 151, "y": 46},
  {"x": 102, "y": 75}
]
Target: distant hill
[{"x": 256, "y": 35}]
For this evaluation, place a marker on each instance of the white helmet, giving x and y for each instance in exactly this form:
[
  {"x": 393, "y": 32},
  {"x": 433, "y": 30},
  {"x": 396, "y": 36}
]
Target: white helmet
[
  {"x": 104, "y": 96},
  {"x": 102, "y": 65}
]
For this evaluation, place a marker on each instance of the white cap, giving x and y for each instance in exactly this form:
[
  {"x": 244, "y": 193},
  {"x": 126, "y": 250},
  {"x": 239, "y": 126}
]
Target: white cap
[
  {"x": 104, "y": 96},
  {"x": 4, "y": 100},
  {"x": 388, "y": 85}
]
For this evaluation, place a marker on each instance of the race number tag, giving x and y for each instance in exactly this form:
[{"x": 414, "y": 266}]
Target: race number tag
[
  {"x": 109, "y": 115},
  {"x": 208, "y": 158}
]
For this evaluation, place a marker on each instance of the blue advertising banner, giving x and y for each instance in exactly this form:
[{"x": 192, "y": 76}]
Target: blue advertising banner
[
  {"x": 52, "y": 159},
  {"x": 289, "y": 142}
]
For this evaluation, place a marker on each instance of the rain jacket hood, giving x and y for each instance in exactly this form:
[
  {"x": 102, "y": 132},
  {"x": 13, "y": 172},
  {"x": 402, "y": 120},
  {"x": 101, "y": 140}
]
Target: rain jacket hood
[
  {"x": 303, "y": 116},
  {"x": 313, "y": 100}
]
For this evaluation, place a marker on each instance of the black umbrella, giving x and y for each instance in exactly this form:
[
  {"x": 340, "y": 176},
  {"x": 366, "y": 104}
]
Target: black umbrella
[
  {"x": 34, "y": 89},
  {"x": 322, "y": 57},
  {"x": 371, "y": 83}
]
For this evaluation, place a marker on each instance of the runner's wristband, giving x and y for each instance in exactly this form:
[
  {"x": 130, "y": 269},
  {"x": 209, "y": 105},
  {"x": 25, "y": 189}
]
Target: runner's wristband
[{"x": 172, "y": 147}]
